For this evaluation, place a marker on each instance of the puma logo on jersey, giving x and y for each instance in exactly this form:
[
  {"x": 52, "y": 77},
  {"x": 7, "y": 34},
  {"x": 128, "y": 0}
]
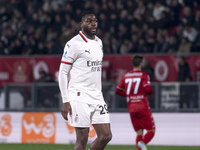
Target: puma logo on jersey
[
  {"x": 88, "y": 51},
  {"x": 68, "y": 45}
]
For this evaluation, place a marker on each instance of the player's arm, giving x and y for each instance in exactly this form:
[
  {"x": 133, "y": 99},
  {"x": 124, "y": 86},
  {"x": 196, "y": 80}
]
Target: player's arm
[
  {"x": 120, "y": 89},
  {"x": 63, "y": 80},
  {"x": 63, "y": 85},
  {"x": 69, "y": 55},
  {"x": 146, "y": 85}
]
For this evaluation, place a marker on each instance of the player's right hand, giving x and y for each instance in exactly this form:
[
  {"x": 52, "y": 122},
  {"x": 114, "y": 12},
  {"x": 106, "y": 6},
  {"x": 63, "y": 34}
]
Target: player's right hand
[{"x": 66, "y": 108}]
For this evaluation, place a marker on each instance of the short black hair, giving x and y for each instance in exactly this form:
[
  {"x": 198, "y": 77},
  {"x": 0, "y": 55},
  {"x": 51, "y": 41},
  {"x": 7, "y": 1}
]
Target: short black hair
[
  {"x": 136, "y": 60},
  {"x": 86, "y": 13}
]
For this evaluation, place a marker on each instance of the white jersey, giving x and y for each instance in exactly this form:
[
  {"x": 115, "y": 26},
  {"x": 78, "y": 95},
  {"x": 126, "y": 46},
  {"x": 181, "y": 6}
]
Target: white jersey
[{"x": 85, "y": 56}]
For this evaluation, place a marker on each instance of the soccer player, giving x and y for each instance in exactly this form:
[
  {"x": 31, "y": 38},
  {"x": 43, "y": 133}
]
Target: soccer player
[
  {"x": 135, "y": 85},
  {"x": 81, "y": 94}
]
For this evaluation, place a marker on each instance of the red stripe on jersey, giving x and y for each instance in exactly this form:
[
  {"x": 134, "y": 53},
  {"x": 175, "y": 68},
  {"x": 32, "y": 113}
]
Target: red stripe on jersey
[
  {"x": 83, "y": 37},
  {"x": 66, "y": 62}
]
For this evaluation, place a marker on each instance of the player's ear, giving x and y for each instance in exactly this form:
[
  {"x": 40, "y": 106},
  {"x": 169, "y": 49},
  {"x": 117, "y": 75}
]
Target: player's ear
[{"x": 81, "y": 24}]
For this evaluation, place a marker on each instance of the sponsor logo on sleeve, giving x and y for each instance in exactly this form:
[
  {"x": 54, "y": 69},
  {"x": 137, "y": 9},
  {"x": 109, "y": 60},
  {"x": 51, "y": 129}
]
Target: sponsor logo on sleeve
[{"x": 65, "y": 54}]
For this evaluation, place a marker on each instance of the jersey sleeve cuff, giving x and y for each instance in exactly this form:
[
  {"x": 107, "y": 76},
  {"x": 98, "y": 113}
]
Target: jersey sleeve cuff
[
  {"x": 65, "y": 99},
  {"x": 65, "y": 62}
]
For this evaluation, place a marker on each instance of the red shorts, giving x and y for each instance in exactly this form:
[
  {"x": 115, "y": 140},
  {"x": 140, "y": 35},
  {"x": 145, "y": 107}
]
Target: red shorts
[{"x": 142, "y": 120}]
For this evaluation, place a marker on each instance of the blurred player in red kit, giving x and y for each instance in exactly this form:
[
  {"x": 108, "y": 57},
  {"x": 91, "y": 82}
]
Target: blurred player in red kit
[{"x": 135, "y": 85}]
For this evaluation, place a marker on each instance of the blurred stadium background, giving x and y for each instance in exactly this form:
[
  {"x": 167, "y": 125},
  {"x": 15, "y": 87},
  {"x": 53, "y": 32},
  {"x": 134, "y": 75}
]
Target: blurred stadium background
[{"x": 165, "y": 32}]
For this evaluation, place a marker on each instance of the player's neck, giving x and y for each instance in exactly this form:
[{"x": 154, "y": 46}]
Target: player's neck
[{"x": 136, "y": 69}]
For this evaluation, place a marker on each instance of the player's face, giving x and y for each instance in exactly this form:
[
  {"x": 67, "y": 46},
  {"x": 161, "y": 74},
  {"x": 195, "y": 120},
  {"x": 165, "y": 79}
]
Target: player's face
[{"x": 89, "y": 25}]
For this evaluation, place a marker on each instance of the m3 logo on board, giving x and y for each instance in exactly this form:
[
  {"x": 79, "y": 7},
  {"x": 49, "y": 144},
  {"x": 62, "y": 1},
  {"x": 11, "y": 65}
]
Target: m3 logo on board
[{"x": 38, "y": 128}]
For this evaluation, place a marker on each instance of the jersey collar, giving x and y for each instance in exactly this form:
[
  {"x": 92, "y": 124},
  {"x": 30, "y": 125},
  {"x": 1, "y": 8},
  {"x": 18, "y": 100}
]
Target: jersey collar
[{"x": 83, "y": 37}]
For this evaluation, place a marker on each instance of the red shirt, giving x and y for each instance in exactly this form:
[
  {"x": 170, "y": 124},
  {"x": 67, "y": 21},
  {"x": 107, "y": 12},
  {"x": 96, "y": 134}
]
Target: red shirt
[{"x": 135, "y": 85}]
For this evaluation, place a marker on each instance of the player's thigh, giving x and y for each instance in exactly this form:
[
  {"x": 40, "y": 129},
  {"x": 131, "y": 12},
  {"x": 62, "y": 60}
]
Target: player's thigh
[
  {"x": 103, "y": 130},
  {"x": 80, "y": 114},
  {"x": 82, "y": 134},
  {"x": 148, "y": 120},
  {"x": 136, "y": 120}
]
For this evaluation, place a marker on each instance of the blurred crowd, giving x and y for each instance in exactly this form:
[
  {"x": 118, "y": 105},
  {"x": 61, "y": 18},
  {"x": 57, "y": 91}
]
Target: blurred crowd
[{"x": 36, "y": 27}]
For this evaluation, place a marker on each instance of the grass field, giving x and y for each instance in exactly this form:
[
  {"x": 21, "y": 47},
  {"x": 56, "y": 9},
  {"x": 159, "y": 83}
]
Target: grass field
[{"x": 70, "y": 147}]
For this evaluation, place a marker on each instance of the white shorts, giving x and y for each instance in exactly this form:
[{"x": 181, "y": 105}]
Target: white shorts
[{"x": 84, "y": 114}]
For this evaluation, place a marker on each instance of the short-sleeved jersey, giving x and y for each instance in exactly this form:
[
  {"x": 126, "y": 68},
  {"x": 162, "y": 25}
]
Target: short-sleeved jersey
[
  {"x": 85, "y": 56},
  {"x": 133, "y": 84}
]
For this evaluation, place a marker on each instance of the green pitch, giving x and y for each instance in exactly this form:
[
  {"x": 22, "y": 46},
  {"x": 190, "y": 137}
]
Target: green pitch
[{"x": 70, "y": 147}]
